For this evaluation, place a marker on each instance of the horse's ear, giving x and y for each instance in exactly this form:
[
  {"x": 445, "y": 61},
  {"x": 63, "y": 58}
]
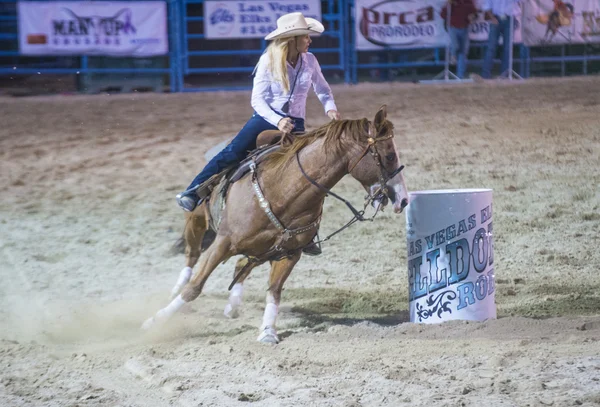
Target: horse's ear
[{"x": 380, "y": 117}]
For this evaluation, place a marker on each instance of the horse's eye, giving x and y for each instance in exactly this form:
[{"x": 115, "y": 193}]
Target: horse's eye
[{"x": 390, "y": 157}]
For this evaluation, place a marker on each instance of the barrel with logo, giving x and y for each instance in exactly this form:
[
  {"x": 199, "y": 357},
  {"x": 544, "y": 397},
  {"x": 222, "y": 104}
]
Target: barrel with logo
[{"x": 450, "y": 255}]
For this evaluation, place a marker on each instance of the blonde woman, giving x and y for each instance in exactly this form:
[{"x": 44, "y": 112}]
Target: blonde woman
[{"x": 282, "y": 80}]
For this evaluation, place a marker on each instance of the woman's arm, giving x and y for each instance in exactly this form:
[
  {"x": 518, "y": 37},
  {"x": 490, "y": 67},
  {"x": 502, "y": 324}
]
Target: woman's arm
[
  {"x": 321, "y": 87},
  {"x": 262, "y": 87}
]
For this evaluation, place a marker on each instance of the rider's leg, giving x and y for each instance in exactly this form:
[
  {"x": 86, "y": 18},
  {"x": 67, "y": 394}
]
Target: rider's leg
[{"x": 235, "y": 152}]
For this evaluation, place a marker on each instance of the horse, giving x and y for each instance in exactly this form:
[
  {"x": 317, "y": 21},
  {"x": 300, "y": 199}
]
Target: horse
[{"x": 274, "y": 211}]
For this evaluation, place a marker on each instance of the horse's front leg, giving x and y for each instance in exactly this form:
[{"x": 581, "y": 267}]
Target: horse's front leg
[
  {"x": 213, "y": 256},
  {"x": 235, "y": 296},
  {"x": 280, "y": 270}
]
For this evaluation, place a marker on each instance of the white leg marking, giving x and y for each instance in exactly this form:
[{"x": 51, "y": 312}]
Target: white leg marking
[
  {"x": 164, "y": 314},
  {"x": 270, "y": 315},
  {"x": 235, "y": 300},
  {"x": 269, "y": 333},
  {"x": 184, "y": 278}
]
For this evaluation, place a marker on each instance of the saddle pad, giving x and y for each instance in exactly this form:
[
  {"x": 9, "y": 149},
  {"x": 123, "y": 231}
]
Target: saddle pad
[{"x": 216, "y": 205}]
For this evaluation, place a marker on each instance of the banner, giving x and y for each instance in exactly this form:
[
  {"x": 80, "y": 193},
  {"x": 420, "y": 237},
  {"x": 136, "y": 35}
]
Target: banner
[
  {"x": 93, "y": 28},
  {"x": 401, "y": 24},
  {"x": 551, "y": 22},
  {"x": 250, "y": 18}
]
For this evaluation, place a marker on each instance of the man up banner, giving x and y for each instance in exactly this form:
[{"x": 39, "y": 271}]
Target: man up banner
[{"x": 93, "y": 28}]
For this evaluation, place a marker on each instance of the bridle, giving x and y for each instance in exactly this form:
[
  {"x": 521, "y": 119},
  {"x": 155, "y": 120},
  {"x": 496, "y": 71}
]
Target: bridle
[{"x": 381, "y": 194}]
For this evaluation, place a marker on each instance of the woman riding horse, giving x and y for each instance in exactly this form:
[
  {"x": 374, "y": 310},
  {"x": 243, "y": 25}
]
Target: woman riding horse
[
  {"x": 276, "y": 104},
  {"x": 271, "y": 213}
]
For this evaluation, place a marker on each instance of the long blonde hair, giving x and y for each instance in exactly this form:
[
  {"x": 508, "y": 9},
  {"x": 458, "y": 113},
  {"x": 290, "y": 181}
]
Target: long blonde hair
[{"x": 277, "y": 53}]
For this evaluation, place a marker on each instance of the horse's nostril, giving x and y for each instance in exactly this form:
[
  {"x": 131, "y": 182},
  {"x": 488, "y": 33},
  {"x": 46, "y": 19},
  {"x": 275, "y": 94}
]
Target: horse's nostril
[{"x": 404, "y": 203}]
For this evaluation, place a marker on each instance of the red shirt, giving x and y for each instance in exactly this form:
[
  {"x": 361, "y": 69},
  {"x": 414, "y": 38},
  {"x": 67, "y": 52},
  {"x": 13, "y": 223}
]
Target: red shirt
[{"x": 459, "y": 13}]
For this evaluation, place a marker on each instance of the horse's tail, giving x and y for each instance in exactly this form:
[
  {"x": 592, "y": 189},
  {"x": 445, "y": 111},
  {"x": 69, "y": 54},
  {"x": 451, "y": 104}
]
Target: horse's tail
[{"x": 179, "y": 246}]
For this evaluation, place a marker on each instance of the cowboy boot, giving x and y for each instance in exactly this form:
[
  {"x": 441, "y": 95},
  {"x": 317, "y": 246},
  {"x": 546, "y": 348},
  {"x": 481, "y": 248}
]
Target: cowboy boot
[{"x": 188, "y": 199}]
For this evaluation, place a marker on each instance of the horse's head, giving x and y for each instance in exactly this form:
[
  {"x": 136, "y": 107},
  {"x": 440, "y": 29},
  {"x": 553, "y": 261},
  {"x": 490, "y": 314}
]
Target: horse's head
[{"x": 378, "y": 168}]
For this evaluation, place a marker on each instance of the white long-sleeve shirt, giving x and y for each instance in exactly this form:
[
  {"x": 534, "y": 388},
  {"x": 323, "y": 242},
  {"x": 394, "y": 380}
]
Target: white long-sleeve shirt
[
  {"x": 268, "y": 95},
  {"x": 502, "y": 7}
]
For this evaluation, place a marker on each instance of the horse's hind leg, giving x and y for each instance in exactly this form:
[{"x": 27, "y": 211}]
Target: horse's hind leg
[
  {"x": 280, "y": 270},
  {"x": 213, "y": 256},
  {"x": 193, "y": 234},
  {"x": 235, "y": 296}
]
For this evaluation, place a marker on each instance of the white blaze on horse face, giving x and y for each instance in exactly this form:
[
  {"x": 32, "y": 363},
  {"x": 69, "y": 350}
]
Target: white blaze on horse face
[{"x": 399, "y": 187}]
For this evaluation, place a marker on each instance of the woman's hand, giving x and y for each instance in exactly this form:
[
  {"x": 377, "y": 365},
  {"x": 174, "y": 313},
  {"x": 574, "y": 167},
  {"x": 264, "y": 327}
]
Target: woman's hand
[
  {"x": 334, "y": 115},
  {"x": 285, "y": 125}
]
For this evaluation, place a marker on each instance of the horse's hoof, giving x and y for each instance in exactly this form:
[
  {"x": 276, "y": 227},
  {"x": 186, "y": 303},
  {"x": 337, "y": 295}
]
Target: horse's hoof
[
  {"x": 269, "y": 335},
  {"x": 231, "y": 312},
  {"x": 148, "y": 324}
]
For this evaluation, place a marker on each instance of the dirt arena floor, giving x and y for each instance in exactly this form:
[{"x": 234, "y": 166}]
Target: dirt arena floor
[{"x": 87, "y": 218}]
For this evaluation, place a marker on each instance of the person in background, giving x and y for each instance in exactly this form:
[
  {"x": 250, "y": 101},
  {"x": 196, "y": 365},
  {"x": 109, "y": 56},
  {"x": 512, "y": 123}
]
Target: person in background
[
  {"x": 462, "y": 14},
  {"x": 499, "y": 13}
]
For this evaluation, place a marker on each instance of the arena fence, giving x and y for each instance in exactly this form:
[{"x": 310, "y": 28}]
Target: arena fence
[
  {"x": 227, "y": 64},
  {"x": 195, "y": 63}
]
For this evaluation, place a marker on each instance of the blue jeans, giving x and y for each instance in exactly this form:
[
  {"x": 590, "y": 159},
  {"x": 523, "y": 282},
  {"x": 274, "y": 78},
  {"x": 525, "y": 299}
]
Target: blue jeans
[
  {"x": 459, "y": 46},
  {"x": 502, "y": 28},
  {"x": 238, "y": 149}
]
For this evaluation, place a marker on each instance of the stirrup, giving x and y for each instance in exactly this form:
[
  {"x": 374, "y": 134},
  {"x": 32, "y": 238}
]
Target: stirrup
[
  {"x": 189, "y": 199},
  {"x": 313, "y": 248}
]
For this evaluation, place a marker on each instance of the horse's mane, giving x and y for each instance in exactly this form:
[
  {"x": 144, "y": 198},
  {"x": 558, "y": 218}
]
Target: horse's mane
[{"x": 332, "y": 132}]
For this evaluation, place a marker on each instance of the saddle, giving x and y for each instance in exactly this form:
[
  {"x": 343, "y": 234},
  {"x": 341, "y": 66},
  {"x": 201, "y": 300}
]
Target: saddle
[
  {"x": 267, "y": 142},
  {"x": 265, "y": 139}
]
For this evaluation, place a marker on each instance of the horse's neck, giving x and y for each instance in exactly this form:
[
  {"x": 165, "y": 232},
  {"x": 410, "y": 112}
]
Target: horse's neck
[
  {"x": 291, "y": 190},
  {"x": 325, "y": 167}
]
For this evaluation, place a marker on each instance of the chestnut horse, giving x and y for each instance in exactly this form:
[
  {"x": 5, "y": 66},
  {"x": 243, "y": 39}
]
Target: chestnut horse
[{"x": 274, "y": 211}]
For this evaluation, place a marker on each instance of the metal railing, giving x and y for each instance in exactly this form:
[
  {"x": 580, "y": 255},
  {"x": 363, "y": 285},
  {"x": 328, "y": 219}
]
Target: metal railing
[{"x": 195, "y": 63}]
